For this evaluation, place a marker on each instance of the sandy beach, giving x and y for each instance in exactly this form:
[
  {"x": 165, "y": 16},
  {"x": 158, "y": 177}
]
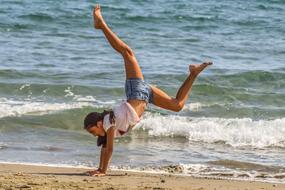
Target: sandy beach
[{"x": 15, "y": 176}]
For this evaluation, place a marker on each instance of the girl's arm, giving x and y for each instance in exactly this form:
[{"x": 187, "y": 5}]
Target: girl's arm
[
  {"x": 103, "y": 150},
  {"x": 106, "y": 153},
  {"x": 99, "y": 170},
  {"x": 109, "y": 149}
]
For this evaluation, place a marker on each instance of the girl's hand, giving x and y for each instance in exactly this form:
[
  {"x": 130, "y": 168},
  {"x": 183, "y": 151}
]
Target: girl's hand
[
  {"x": 91, "y": 173},
  {"x": 96, "y": 173}
]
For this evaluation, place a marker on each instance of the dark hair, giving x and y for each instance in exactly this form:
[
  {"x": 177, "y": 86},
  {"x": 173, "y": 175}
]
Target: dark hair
[{"x": 92, "y": 118}]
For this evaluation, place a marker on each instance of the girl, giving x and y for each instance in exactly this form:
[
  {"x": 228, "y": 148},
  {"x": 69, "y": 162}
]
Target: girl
[{"x": 121, "y": 119}]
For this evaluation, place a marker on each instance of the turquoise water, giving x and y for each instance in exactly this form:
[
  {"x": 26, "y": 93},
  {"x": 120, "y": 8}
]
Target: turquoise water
[{"x": 55, "y": 68}]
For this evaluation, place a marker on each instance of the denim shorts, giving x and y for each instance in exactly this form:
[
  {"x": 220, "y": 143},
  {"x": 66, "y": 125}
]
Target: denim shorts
[{"x": 138, "y": 89}]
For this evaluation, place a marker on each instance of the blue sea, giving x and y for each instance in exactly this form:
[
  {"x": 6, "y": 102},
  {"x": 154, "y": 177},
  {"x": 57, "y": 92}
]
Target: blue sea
[{"x": 55, "y": 68}]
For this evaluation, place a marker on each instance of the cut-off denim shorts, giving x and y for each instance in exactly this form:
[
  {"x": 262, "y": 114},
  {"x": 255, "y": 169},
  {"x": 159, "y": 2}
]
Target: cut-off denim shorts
[{"x": 138, "y": 89}]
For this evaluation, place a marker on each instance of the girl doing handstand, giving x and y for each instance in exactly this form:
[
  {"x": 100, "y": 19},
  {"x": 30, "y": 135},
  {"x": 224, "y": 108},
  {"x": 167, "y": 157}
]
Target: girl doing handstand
[{"x": 122, "y": 118}]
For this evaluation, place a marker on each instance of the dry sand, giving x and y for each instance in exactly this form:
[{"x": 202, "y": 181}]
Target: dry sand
[{"x": 26, "y": 177}]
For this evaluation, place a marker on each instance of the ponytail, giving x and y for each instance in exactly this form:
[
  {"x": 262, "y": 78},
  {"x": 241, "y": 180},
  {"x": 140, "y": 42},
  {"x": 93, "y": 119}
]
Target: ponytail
[{"x": 111, "y": 118}]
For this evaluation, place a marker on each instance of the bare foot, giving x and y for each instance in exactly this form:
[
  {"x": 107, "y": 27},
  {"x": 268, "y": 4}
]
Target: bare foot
[
  {"x": 98, "y": 19},
  {"x": 197, "y": 69}
]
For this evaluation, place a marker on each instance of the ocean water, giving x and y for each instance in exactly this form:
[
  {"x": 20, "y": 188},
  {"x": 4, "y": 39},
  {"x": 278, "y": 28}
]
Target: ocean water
[{"x": 55, "y": 68}]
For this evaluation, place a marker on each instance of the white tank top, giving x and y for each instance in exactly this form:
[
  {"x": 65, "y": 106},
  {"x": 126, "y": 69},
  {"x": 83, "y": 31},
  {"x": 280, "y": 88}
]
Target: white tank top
[{"x": 125, "y": 118}]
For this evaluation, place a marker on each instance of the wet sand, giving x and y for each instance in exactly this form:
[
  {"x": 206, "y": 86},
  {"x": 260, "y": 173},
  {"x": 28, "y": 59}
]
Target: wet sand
[{"x": 14, "y": 176}]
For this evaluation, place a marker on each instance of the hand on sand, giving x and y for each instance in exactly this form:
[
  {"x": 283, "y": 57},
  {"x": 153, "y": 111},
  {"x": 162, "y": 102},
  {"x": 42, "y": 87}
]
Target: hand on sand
[
  {"x": 89, "y": 173},
  {"x": 96, "y": 173},
  {"x": 97, "y": 16}
]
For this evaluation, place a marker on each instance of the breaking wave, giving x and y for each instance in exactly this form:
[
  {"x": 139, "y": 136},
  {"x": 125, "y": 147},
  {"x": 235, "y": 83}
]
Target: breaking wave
[{"x": 234, "y": 132}]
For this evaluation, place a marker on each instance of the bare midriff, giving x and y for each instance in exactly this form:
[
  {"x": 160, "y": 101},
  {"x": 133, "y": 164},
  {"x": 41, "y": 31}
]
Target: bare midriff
[{"x": 138, "y": 105}]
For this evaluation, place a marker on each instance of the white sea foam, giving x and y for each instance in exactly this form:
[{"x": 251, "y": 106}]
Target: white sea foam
[
  {"x": 194, "y": 106},
  {"x": 24, "y": 86},
  {"x": 203, "y": 170},
  {"x": 10, "y": 107},
  {"x": 234, "y": 132},
  {"x": 80, "y": 98},
  {"x": 198, "y": 106},
  {"x": 49, "y": 165},
  {"x": 209, "y": 171}
]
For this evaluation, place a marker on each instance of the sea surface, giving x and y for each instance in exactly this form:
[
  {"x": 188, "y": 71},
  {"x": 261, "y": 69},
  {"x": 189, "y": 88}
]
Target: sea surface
[{"x": 55, "y": 68}]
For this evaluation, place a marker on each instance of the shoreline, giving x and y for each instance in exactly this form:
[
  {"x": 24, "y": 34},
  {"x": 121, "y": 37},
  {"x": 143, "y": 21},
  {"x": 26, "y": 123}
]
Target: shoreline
[
  {"x": 23, "y": 176},
  {"x": 172, "y": 170}
]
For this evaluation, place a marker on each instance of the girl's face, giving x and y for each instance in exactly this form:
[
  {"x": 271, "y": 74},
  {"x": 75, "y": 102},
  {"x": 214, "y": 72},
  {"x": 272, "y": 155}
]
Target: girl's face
[{"x": 97, "y": 130}]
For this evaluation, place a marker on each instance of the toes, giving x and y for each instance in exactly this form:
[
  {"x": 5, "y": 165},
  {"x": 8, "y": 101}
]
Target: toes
[
  {"x": 97, "y": 6},
  {"x": 208, "y": 62}
]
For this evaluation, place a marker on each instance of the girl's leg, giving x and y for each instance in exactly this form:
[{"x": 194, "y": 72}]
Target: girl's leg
[
  {"x": 131, "y": 65},
  {"x": 161, "y": 99}
]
